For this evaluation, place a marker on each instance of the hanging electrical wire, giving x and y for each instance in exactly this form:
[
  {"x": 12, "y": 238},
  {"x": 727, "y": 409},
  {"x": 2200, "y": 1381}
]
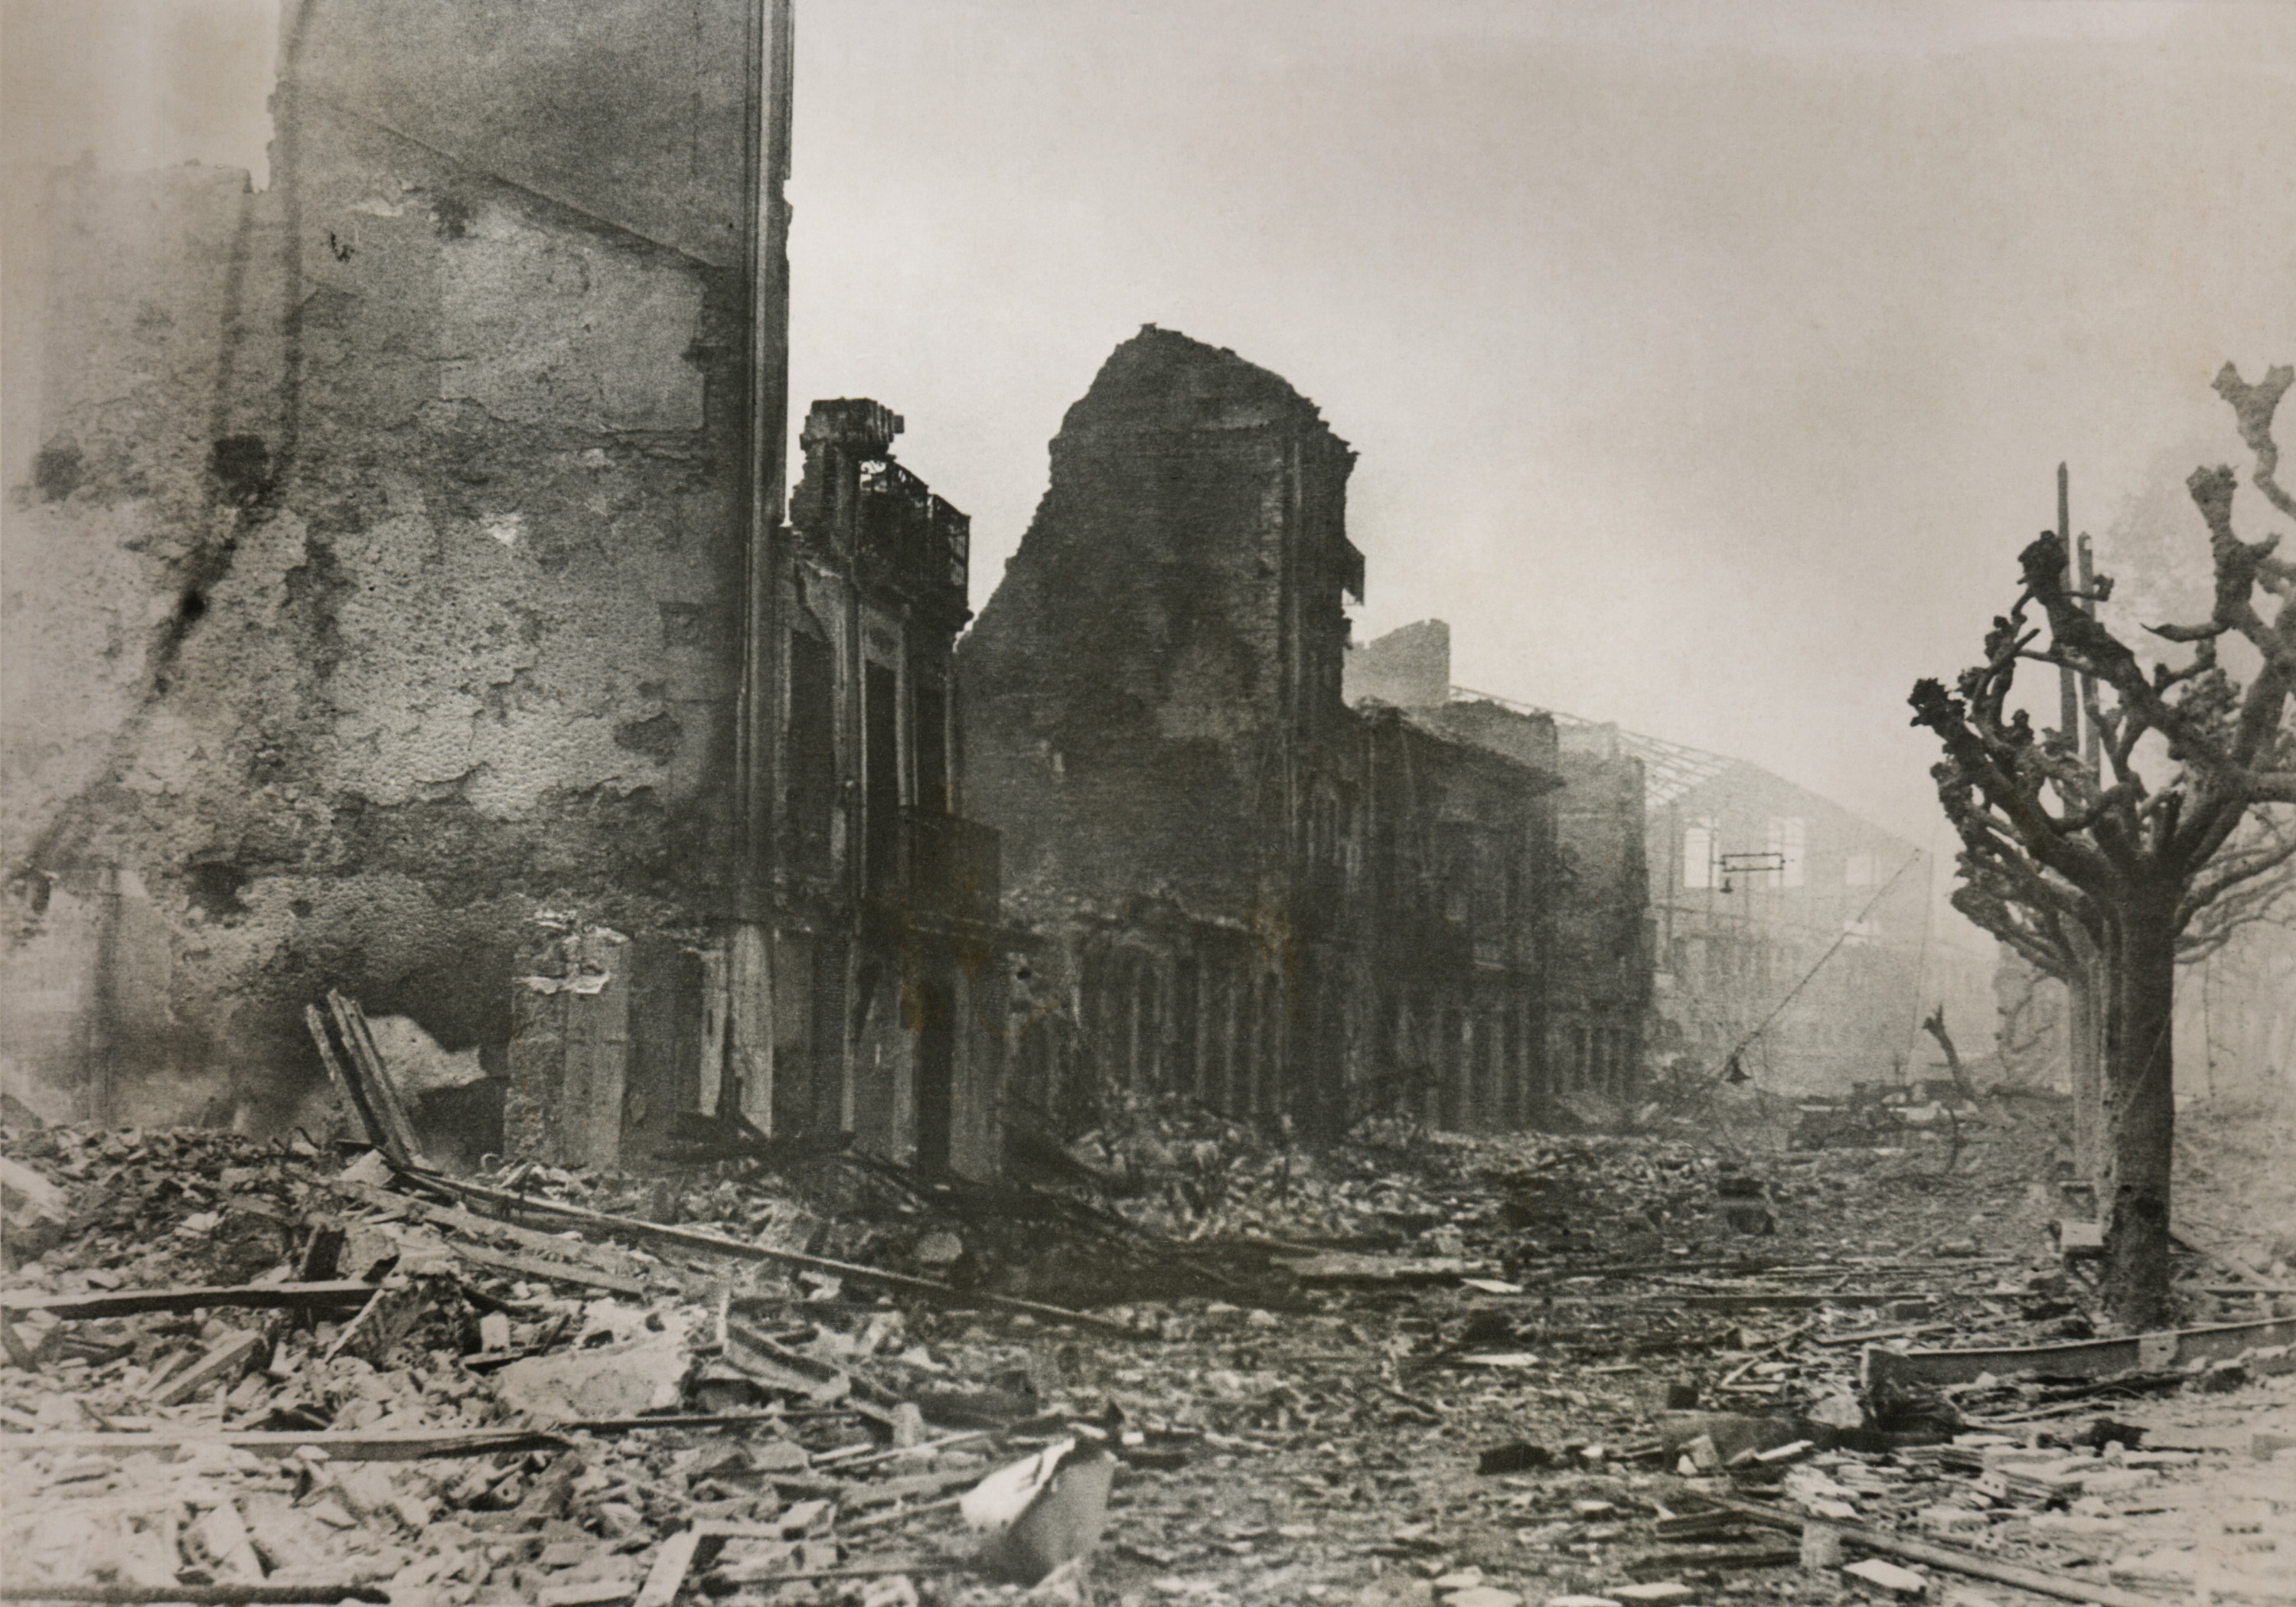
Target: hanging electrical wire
[{"x": 1733, "y": 1068}]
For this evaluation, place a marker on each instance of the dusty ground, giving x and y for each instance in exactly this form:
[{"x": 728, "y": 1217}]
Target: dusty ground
[{"x": 1318, "y": 1354}]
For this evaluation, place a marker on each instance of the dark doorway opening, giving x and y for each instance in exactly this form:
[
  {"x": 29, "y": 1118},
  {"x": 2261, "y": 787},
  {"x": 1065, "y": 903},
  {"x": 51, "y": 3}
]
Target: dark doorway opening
[
  {"x": 882, "y": 758},
  {"x": 936, "y": 1075}
]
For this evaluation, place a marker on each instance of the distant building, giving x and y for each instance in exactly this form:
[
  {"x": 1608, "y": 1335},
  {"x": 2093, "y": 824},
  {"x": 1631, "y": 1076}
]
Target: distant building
[
  {"x": 1240, "y": 891},
  {"x": 1788, "y": 933},
  {"x": 1766, "y": 927},
  {"x": 1596, "y": 981}
]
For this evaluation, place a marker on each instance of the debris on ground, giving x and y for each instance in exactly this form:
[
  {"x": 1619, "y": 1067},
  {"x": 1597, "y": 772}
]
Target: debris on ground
[{"x": 1196, "y": 1363}]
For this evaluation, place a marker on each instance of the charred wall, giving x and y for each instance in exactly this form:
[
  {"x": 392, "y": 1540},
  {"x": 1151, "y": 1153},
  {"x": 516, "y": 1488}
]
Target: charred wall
[
  {"x": 1145, "y": 685},
  {"x": 1241, "y": 893},
  {"x": 370, "y": 549}
]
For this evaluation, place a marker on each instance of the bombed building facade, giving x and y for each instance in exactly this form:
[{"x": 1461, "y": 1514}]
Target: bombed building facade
[
  {"x": 1597, "y": 972},
  {"x": 1240, "y": 888},
  {"x": 401, "y": 602},
  {"x": 406, "y": 599}
]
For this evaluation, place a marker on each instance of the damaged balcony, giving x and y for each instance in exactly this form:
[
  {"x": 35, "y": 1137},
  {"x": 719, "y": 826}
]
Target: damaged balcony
[
  {"x": 913, "y": 543},
  {"x": 937, "y": 869}
]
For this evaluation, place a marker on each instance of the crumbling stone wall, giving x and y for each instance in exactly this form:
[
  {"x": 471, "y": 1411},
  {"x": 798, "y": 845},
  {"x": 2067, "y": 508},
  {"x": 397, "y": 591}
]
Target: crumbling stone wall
[
  {"x": 1243, "y": 894},
  {"x": 1164, "y": 649},
  {"x": 371, "y": 568}
]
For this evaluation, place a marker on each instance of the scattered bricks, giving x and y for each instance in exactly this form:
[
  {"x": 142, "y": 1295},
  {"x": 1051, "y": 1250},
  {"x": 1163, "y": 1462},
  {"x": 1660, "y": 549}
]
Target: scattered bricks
[
  {"x": 1899, "y": 1582},
  {"x": 909, "y": 1429},
  {"x": 618, "y": 1519},
  {"x": 365, "y": 1489},
  {"x": 37, "y": 1214},
  {"x": 225, "y": 1538},
  {"x": 2220, "y": 1378},
  {"x": 1700, "y": 1457},
  {"x": 1821, "y": 1548},
  {"x": 619, "y": 1380},
  {"x": 1953, "y": 1520},
  {"x": 778, "y": 1456},
  {"x": 591, "y": 1592}
]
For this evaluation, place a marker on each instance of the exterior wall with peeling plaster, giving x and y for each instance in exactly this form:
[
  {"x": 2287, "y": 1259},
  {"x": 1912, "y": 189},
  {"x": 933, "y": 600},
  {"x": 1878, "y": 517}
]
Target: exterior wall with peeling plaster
[
  {"x": 409, "y": 611},
  {"x": 370, "y": 557}
]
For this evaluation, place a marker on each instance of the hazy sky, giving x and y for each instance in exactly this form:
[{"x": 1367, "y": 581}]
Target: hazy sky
[{"x": 1708, "y": 363}]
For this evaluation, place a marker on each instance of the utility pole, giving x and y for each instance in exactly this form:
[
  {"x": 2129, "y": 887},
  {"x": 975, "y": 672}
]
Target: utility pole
[
  {"x": 2088, "y": 683},
  {"x": 2069, "y": 702}
]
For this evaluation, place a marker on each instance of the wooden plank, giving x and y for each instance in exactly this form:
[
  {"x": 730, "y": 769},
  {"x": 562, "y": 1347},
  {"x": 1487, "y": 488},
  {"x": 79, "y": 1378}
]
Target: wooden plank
[
  {"x": 667, "y": 1577},
  {"x": 273, "y": 1590},
  {"x": 606, "y": 1257},
  {"x": 347, "y": 1090},
  {"x": 332, "y": 1295},
  {"x": 555, "y": 1272},
  {"x": 718, "y": 1244},
  {"x": 1869, "y": 1335},
  {"x": 358, "y": 1037},
  {"x": 2081, "y": 1359},
  {"x": 2043, "y": 1581},
  {"x": 1793, "y": 1300},
  {"x": 227, "y": 1359},
  {"x": 390, "y": 1445}
]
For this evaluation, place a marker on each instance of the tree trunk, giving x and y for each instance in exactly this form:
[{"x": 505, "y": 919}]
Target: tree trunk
[
  {"x": 2085, "y": 1010},
  {"x": 2140, "y": 1111}
]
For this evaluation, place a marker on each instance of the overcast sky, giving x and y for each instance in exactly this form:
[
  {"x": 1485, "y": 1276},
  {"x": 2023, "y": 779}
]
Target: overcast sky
[{"x": 1708, "y": 363}]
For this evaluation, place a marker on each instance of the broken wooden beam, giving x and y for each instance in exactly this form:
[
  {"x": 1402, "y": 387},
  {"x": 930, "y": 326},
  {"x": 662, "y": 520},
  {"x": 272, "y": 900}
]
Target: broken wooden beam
[
  {"x": 2041, "y": 1581},
  {"x": 1867, "y": 1336},
  {"x": 2080, "y": 1358},
  {"x": 347, "y": 1088},
  {"x": 340, "y": 1445},
  {"x": 606, "y": 1257},
  {"x": 533, "y": 1267},
  {"x": 382, "y": 1092},
  {"x": 1792, "y": 1299},
  {"x": 719, "y": 1244},
  {"x": 671, "y": 1564},
  {"x": 331, "y": 1295},
  {"x": 271, "y": 1591},
  {"x": 224, "y": 1361}
]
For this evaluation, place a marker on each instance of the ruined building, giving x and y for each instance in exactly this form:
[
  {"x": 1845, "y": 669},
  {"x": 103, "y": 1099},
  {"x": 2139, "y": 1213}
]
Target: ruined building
[
  {"x": 1791, "y": 934},
  {"x": 1240, "y": 891},
  {"x": 1712, "y": 914},
  {"x": 1598, "y": 981},
  {"x": 400, "y": 600}
]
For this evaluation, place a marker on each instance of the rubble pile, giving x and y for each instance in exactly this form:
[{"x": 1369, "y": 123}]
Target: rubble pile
[
  {"x": 1414, "y": 1368},
  {"x": 244, "y": 1366}
]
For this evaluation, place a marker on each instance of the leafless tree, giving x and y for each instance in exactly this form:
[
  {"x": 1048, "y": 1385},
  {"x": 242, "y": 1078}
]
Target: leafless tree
[{"x": 2100, "y": 874}]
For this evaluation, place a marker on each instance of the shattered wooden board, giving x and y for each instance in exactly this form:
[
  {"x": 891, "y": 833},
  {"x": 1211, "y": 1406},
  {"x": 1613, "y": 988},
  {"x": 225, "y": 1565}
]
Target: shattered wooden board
[
  {"x": 2083, "y": 1358},
  {"x": 1344, "y": 1268}
]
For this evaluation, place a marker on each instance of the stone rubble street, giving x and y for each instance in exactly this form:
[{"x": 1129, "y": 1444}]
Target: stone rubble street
[{"x": 1412, "y": 1368}]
